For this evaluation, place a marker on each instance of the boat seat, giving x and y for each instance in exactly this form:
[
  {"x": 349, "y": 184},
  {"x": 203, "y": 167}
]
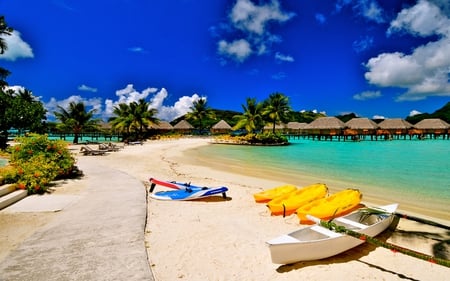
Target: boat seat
[
  {"x": 324, "y": 231},
  {"x": 352, "y": 223}
]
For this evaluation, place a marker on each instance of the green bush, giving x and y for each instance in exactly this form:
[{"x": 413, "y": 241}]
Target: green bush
[{"x": 37, "y": 161}]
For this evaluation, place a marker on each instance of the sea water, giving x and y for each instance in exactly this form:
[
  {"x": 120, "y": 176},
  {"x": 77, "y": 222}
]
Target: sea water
[{"x": 416, "y": 171}]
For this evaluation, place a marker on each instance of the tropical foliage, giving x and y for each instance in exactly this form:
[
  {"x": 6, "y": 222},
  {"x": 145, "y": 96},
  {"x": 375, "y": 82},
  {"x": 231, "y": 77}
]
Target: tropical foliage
[
  {"x": 133, "y": 119},
  {"x": 277, "y": 109},
  {"x": 5, "y": 30},
  {"x": 252, "y": 118},
  {"x": 36, "y": 161},
  {"x": 199, "y": 112},
  {"x": 76, "y": 119},
  {"x": 21, "y": 111}
]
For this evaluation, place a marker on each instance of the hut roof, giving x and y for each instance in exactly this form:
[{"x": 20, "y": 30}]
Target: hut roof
[
  {"x": 296, "y": 125},
  {"x": 395, "y": 123},
  {"x": 432, "y": 123},
  {"x": 221, "y": 125},
  {"x": 183, "y": 125},
  {"x": 361, "y": 123},
  {"x": 162, "y": 125},
  {"x": 326, "y": 123}
]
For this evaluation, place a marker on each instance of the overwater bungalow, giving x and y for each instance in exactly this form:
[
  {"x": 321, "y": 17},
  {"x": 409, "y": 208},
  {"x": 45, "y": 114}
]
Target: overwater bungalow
[
  {"x": 325, "y": 128},
  {"x": 394, "y": 127},
  {"x": 361, "y": 127},
  {"x": 296, "y": 128},
  {"x": 434, "y": 127}
]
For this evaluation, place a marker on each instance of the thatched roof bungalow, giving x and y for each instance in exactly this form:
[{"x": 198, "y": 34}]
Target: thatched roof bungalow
[
  {"x": 221, "y": 127},
  {"x": 162, "y": 125},
  {"x": 295, "y": 127},
  {"x": 432, "y": 125},
  {"x": 330, "y": 126},
  {"x": 394, "y": 126},
  {"x": 183, "y": 127},
  {"x": 362, "y": 126}
]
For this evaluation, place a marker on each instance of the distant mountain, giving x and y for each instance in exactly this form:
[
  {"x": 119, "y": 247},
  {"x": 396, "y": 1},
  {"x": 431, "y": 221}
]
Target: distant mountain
[{"x": 443, "y": 113}]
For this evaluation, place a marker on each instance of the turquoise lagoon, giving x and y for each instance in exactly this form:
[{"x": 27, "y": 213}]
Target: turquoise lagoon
[{"x": 412, "y": 171}]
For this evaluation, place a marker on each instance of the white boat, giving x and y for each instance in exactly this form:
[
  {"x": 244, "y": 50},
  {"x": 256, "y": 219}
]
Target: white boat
[{"x": 316, "y": 242}]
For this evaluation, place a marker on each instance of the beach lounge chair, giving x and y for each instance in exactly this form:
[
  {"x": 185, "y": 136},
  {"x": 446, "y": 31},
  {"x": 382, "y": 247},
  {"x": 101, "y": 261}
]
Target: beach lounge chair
[
  {"x": 108, "y": 147},
  {"x": 86, "y": 150}
]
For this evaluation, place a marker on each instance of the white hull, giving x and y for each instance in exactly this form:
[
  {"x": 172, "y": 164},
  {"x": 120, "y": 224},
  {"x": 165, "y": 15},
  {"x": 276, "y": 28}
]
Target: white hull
[{"x": 316, "y": 242}]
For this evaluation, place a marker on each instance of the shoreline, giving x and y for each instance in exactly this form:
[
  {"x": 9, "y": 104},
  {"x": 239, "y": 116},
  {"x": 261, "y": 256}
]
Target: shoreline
[{"x": 300, "y": 179}]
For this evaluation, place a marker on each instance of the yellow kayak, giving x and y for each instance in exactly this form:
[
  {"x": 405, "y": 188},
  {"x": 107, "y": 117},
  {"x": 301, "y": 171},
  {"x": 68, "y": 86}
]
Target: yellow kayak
[
  {"x": 333, "y": 206},
  {"x": 287, "y": 204},
  {"x": 267, "y": 195}
]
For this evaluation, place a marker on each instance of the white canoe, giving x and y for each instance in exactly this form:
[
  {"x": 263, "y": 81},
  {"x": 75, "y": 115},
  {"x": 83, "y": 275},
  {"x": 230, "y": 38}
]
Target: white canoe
[{"x": 316, "y": 242}]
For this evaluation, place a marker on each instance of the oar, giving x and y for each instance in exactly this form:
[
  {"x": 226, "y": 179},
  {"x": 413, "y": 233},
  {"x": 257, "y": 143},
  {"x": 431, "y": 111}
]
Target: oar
[
  {"x": 341, "y": 229},
  {"x": 422, "y": 220}
]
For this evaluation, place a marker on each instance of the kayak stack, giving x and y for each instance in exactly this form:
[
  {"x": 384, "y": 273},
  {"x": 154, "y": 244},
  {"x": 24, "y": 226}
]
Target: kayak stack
[{"x": 310, "y": 200}]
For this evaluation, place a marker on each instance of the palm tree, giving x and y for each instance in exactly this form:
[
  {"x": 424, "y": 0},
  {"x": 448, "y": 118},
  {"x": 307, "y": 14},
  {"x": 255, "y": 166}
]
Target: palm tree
[
  {"x": 277, "y": 109},
  {"x": 76, "y": 119},
  {"x": 4, "y": 30},
  {"x": 251, "y": 119},
  {"x": 142, "y": 115},
  {"x": 133, "y": 117},
  {"x": 122, "y": 120},
  {"x": 200, "y": 111}
]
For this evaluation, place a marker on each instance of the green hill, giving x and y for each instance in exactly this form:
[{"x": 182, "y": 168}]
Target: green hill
[{"x": 443, "y": 113}]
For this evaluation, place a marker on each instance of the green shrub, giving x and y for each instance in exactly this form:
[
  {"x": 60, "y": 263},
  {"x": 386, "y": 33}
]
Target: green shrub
[{"x": 37, "y": 161}]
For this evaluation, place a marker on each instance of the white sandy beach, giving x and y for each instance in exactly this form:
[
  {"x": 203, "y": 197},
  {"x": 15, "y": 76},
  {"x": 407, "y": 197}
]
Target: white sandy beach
[{"x": 218, "y": 239}]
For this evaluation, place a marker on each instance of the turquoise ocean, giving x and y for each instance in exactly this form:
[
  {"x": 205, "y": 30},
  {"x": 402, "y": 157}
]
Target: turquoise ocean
[{"x": 413, "y": 171}]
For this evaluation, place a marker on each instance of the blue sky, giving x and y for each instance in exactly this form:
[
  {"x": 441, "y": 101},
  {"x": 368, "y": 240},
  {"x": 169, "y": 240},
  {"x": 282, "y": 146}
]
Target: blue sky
[{"x": 371, "y": 57}]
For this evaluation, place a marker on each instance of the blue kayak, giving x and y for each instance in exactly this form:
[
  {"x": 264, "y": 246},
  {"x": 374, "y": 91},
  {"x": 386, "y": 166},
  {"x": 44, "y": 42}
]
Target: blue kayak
[{"x": 189, "y": 193}]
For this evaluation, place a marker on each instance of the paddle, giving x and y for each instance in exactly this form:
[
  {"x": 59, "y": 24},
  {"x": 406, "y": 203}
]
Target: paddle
[
  {"x": 371, "y": 240},
  {"x": 421, "y": 220}
]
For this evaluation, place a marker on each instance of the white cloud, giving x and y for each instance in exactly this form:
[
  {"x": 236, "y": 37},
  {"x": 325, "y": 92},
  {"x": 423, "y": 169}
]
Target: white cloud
[
  {"x": 372, "y": 11},
  {"x": 363, "y": 44},
  {"x": 137, "y": 50},
  {"x": 16, "y": 88},
  {"x": 378, "y": 117},
  {"x": 238, "y": 49},
  {"x": 414, "y": 112},
  {"x": 423, "y": 19},
  {"x": 367, "y": 95},
  {"x": 85, "y": 88},
  {"x": 129, "y": 95},
  {"x": 165, "y": 112},
  {"x": 17, "y": 48},
  {"x": 369, "y": 9},
  {"x": 320, "y": 18},
  {"x": 253, "y": 18},
  {"x": 180, "y": 107},
  {"x": 280, "y": 57},
  {"x": 91, "y": 104},
  {"x": 425, "y": 71},
  {"x": 250, "y": 22}
]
